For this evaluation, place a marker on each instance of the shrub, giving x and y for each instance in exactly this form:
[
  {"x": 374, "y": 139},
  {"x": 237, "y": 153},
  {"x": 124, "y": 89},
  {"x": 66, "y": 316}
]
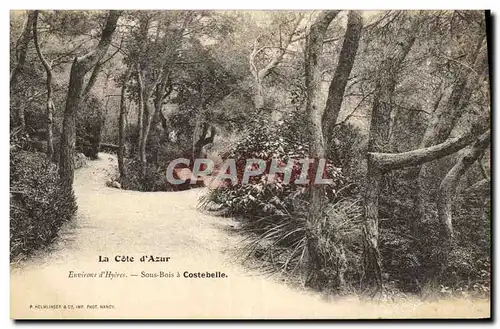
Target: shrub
[
  {"x": 273, "y": 214},
  {"x": 412, "y": 263},
  {"x": 153, "y": 180},
  {"x": 264, "y": 195},
  {"x": 39, "y": 204},
  {"x": 469, "y": 264}
]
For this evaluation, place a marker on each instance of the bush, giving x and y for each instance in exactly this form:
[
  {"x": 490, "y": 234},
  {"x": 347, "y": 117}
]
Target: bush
[
  {"x": 411, "y": 263},
  {"x": 469, "y": 264},
  {"x": 160, "y": 152},
  {"x": 39, "y": 204},
  {"x": 153, "y": 180},
  {"x": 273, "y": 214},
  {"x": 263, "y": 195}
]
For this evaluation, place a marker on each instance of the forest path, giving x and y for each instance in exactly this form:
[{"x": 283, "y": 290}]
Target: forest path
[{"x": 113, "y": 222}]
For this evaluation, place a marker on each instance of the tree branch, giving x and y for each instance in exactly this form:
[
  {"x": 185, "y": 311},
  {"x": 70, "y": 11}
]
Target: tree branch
[
  {"x": 21, "y": 47},
  {"x": 279, "y": 56},
  {"x": 391, "y": 161},
  {"x": 96, "y": 71},
  {"x": 89, "y": 60}
]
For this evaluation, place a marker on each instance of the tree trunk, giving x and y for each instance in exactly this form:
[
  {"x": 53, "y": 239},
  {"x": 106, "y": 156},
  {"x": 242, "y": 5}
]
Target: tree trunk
[
  {"x": 377, "y": 142},
  {"x": 342, "y": 72},
  {"x": 146, "y": 125},
  {"x": 448, "y": 187},
  {"x": 371, "y": 256},
  {"x": 22, "y": 46},
  {"x": 121, "y": 126},
  {"x": 160, "y": 88},
  {"x": 379, "y": 162},
  {"x": 49, "y": 103},
  {"x": 160, "y": 94},
  {"x": 141, "y": 84},
  {"x": 21, "y": 52},
  {"x": 92, "y": 79},
  {"x": 314, "y": 46},
  {"x": 414, "y": 174},
  {"x": 260, "y": 75},
  {"x": 259, "y": 95},
  {"x": 203, "y": 140},
  {"x": 96, "y": 130},
  {"x": 140, "y": 110},
  {"x": 81, "y": 65},
  {"x": 444, "y": 119}
]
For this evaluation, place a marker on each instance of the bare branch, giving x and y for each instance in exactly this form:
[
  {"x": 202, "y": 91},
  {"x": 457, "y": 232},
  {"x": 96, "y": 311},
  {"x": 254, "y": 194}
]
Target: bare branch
[
  {"x": 391, "y": 161},
  {"x": 351, "y": 115}
]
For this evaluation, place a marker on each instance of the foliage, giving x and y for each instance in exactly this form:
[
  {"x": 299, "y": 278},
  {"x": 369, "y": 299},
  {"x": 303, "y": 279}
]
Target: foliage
[
  {"x": 210, "y": 84},
  {"x": 410, "y": 263},
  {"x": 88, "y": 128},
  {"x": 264, "y": 194},
  {"x": 39, "y": 204},
  {"x": 152, "y": 180},
  {"x": 469, "y": 266},
  {"x": 274, "y": 214}
]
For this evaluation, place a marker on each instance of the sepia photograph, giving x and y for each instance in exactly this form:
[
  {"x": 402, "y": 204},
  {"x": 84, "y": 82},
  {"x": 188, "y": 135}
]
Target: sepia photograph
[{"x": 250, "y": 164}]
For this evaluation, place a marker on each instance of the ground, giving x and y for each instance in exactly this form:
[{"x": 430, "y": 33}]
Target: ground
[{"x": 113, "y": 222}]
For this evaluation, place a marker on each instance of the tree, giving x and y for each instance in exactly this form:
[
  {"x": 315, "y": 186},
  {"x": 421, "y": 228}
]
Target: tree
[
  {"x": 21, "y": 53},
  {"x": 50, "y": 108},
  {"x": 322, "y": 119},
  {"x": 154, "y": 58},
  {"x": 203, "y": 140},
  {"x": 378, "y": 139},
  {"x": 448, "y": 187},
  {"x": 279, "y": 52},
  {"x": 342, "y": 72},
  {"x": 314, "y": 46},
  {"x": 470, "y": 73},
  {"x": 81, "y": 65},
  {"x": 378, "y": 163},
  {"x": 121, "y": 126}
]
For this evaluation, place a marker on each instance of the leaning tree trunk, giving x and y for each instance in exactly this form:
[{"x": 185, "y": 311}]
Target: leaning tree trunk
[
  {"x": 381, "y": 162},
  {"x": 121, "y": 126},
  {"x": 98, "y": 126},
  {"x": 444, "y": 119},
  {"x": 160, "y": 89},
  {"x": 394, "y": 161},
  {"x": 22, "y": 46},
  {"x": 148, "y": 117},
  {"x": 314, "y": 47},
  {"x": 81, "y": 65},
  {"x": 260, "y": 75},
  {"x": 21, "y": 52},
  {"x": 448, "y": 187},
  {"x": 49, "y": 103},
  {"x": 342, "y": 72}
]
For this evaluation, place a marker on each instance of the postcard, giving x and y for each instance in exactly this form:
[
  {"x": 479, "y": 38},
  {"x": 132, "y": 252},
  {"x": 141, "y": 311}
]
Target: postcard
[{"x": 209, "y": 164}]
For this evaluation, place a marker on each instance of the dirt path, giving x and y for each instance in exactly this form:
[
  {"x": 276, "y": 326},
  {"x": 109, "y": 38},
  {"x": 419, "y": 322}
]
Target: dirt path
[{"x": 113, "y": 222}]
